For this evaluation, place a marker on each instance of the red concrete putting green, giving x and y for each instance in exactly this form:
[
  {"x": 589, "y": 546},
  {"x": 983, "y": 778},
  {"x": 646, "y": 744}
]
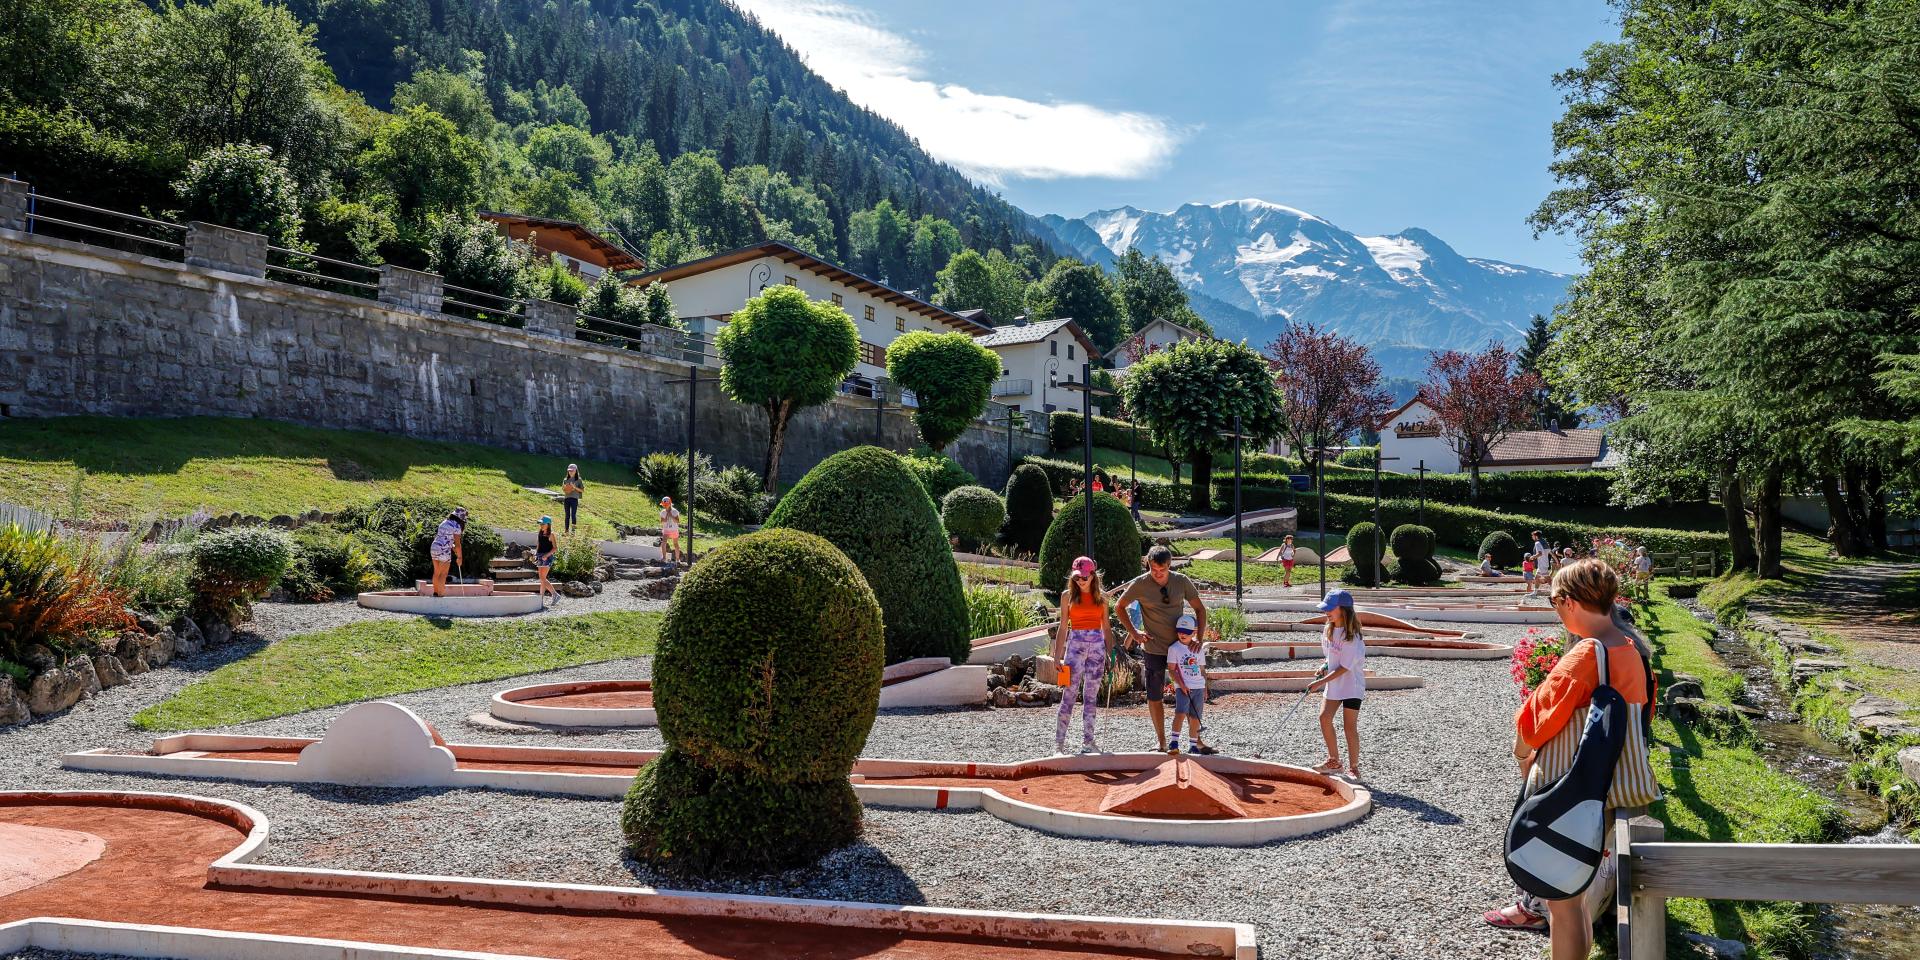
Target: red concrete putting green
[
  {"x": 1161, "y": 784},
  {"x": 162, "y": 861}
]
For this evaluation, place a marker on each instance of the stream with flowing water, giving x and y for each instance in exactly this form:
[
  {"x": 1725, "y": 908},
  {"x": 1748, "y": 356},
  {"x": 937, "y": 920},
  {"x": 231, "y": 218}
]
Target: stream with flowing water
[{"x": 1855, "y": 931}]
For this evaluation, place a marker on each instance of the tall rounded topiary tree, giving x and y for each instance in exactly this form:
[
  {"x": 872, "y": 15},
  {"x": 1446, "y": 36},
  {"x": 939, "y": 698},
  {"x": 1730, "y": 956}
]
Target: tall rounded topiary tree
[
  {"x": 951, "y": 377},
  {"x": 1505, "y": 550},
  {"x": 868, "y": 504},
  {"x": 782, "y": 351},
  {"x": 1363, "y": 546},
  {"x": 1413, "y": 555},
  {"x": 763, "y": 711},
  {"x": 974, "y": 514},
  {"x": 1029, "y": 509},
  {"x": 1116, "y": 542}
]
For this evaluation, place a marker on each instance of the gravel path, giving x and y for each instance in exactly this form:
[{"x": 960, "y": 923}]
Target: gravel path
[{"x": 1411, "y": 877}]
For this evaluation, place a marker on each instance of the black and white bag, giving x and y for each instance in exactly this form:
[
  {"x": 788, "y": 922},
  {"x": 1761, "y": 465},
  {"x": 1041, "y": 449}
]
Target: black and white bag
[{"x": 1558, "y": 833}]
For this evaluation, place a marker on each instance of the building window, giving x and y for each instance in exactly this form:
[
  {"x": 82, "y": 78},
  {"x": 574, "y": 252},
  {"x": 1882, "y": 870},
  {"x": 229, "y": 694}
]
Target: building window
[
  {"x": 1069, "y": 351},
  {"x": 873, "y": 354},
  {"x": 1053, "y": 348},
  {"x": 869, "y": 311},
  {"x": 838, "y": 301},
  {"x": 791, "y": 282},
  {"x": 900, "y": 323}
]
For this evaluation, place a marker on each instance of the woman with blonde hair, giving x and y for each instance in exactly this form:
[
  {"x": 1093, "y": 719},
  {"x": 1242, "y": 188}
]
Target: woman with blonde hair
[
  {"x": 1549, "y": 724},
  {"x": 1080, "y": 647}
]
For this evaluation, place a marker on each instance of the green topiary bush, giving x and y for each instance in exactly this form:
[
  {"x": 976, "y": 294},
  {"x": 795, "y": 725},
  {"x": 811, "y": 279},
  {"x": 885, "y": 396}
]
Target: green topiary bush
[
  {"x": 1029, "y": 500},
  {"x": 866, "y": 502},
  {"x": 1413, "y": 561},
  {"x": 234, "y": 567},
  {"x": 1363, "y": 544},
  {"x": 1506, "y": 551},
  {"x": 974, "y": 514},
  {"x": 763, "y": 712},
  {"x": 1116, "y": 542},
  {"x": 937, "y": 472}
]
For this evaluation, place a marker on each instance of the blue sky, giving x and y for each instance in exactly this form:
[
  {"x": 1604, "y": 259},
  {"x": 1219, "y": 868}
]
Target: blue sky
[{"x": 1375, "y": 114}]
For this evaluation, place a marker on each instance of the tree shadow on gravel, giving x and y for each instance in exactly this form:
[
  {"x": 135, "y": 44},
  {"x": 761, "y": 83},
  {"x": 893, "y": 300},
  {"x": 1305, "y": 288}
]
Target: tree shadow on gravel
[
  {"x": 1422, "y": 811},
  {"x": 857, "y": 872},
  {"x": 242, "y": 646}
]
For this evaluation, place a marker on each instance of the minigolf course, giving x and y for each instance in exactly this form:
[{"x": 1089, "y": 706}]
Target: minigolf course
[
  {"x": 1225, "y": 527},
  {"x": 924, "y": 682},
  {"x": 165, "y": 875},
  {"x": 458, "y": 600},
  {"x": 383, "y": 744}
]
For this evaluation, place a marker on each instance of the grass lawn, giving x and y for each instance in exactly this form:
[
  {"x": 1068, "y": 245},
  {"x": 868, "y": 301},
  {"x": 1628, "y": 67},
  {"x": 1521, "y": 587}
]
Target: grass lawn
[
  {"x": 978, "y": 573},
  {"x": 168, "y": 468},
  {"x": 1221, "y": 571},
  {"x": 1718, "y": 788},
  {"x": 380, "y": 658}
]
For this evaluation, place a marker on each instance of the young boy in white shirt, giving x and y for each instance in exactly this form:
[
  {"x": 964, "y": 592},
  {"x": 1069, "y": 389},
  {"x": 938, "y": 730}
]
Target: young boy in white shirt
[{"x": 1189, "y": 669}]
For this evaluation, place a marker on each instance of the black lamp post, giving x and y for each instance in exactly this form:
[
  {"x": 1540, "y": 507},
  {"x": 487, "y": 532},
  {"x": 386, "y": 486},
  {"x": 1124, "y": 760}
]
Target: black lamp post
[
  {"x": 1320, "y": 545},
  {"x": 693, "y": 380},
  {"x": 1379, "y": 536},
  {"x": 1239, "y": 538},
  {"x": 1086, "y": 388},
  {"x": 1421, "y": 486}
]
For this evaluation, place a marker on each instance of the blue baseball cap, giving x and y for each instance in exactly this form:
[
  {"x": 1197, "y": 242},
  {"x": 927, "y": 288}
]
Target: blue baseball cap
[{"x": 1336, "y": 598}]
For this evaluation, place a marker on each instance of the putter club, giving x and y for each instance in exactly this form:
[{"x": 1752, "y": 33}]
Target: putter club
[{"x": 1281, "y": 729}]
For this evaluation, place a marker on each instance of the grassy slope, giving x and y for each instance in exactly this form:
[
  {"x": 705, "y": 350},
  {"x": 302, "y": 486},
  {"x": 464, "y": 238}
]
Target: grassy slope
[
  {"x": 1719, "y": 789},
  {"x": 381, "y": 658},
  {"x": 171, "y": 467}
]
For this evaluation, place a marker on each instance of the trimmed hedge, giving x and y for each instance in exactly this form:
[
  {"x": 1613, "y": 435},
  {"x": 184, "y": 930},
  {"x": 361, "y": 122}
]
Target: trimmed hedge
[
  {"x": 1363, "y": 545},
  {"x": 1257, "y": 492},
  {"x": 974, "y": 514},
  {"x": 234, "y": 567},
  {"x": 937, "y": 472},
  {"x": 1064, "y": 431},
  {"x": 1505, "y": 549},
  {"x": 1116, "y": 542},
  {"x": 1152, "y": 494},
  {"x": 1029, "y": 500},
  {"x": 764, "y": 712},
  {"x": 1465, "y": 527},
  {"x": 1560, "y": 488},
  {"x": 1413, "y": 562},
  {"x": 867, "y": 502}
]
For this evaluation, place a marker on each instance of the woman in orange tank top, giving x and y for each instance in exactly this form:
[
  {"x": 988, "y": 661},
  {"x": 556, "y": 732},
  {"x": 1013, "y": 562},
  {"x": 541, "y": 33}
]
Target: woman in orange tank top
[{"x": 1081, "y": 646}]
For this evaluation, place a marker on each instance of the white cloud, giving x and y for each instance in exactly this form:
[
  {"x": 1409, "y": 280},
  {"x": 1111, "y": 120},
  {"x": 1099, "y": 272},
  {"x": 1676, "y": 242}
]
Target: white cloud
[{"x": 985, "y": 135}]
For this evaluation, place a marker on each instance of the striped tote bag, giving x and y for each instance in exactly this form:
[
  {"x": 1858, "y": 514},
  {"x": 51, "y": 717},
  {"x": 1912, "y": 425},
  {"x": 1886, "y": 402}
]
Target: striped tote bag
[{"x": 1633, "y": 782}]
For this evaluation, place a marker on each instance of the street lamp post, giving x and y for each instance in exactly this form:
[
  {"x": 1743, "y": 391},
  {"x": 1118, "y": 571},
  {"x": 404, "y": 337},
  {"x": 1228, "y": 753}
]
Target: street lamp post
[
  {"x": 693, "y": 380},
  {"x": 1422, "y": 487},
  {"x": 1088, "y": 391},
  {"x": 1133, "y": 466},
  {"x": 1239, "y": 533},
  {"x": 1320, "y": 515},
  {"x": 1379, "y": 535}
]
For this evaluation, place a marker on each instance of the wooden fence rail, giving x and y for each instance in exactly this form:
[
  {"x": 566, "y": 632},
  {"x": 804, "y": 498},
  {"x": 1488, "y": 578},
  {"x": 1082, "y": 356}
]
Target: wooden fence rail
[
  {"x": 1651, "y": 871},
  {"x": 27, "y": 519},
  {"x": 1701, "y": 564}
]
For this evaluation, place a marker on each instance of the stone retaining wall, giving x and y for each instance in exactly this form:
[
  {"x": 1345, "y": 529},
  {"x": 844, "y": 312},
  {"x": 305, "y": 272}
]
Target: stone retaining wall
[{"x": 91, "y": 330}]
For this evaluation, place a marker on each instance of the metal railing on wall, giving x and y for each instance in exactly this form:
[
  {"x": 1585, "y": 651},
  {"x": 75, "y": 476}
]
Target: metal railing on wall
[
  {"x": 121, "y": 231},
  {"x": 311, "y": 270},
  {"x": 483, "y": 306}
]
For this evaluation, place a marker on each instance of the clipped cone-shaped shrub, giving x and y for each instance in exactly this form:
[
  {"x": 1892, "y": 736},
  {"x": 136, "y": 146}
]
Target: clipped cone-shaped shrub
[
  {"x": 1413, "y": 561},
  {"x": 1116, "y": 542},
  {"x": 867, "y": 503},
  {"x": 973, "y": 514},
  {"x": 1029, "y": 509},
  {"x": 766, "y": 681},
  {"x": 1363, "y": 547},
  {"x": 1505, "y": 550}
]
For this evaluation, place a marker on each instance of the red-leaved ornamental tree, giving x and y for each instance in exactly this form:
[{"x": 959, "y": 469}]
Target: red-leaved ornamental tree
[
  {"x": 1329, "y": 387},
  {"x": 1479, "y": 398}
]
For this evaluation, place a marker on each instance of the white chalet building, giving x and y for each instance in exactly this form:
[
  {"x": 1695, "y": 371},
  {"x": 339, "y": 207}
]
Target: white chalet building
[
  {"x": 707, "y": 291},
  {"x": 1035, "y": 359},
  {"x": 1412, "y": 433},
  {"x": 1152, "y": 338}
]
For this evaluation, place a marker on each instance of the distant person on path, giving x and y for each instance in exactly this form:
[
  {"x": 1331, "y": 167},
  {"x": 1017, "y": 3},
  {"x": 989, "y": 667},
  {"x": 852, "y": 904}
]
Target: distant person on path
[
  {"x": 571, "y": 487},
  {"x": 543, "y": 550},
  {"x": 1582, "y": 595},
  {"x": 1543, "y": 555},
  {"x": 1098, "y": 485},
  {"x": 1286, "y": 560},
  {"x": 1487, "y": 569},
  {"x": 1189, "y": 668},
  {"x": 1642, "y": 565},
  {"x": 669, "y": 530},
  {"x": 1080, "y": 647},
  {"x": 446, "y": 548},
  {"x": 1527, "y": 567},
  {"x": 1163, "y": 596},
  {"x": 1345, "y": 681}
]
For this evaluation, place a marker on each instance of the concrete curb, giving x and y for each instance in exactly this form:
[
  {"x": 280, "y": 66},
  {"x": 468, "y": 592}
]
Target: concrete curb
[
  {"x": 492, "y": 605},
  {"x": 1310, "y": 650},
  {"x": 1295, "y": 681},
  {"x": 511, "y": 705},
  {"x": 991, "y": 650}
]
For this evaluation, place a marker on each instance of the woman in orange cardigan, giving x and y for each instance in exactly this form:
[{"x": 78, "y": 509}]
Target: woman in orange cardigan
[{"x": 1582, "y": 595}]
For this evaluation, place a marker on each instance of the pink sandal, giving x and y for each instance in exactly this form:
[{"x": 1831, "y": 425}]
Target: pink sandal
[
  {"x": 1499, "y": 920},
  {"x": 1333, "y": 767}
]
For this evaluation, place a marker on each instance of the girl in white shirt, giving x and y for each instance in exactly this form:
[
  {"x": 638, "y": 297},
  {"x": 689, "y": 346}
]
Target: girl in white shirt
[{"x": 1345, "y": 680}]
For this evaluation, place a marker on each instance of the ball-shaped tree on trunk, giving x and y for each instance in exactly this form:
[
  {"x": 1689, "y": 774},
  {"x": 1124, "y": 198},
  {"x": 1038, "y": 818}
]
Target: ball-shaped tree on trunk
[
  {"x": 951, "y": 377},
  {"x": 764, "y": 711},
  {"x": 1363, "y": 546},
  {"x": 1190, "y": 393},
  {"x": 781, "y": 352},
  {"x": 865, "y": 502}
]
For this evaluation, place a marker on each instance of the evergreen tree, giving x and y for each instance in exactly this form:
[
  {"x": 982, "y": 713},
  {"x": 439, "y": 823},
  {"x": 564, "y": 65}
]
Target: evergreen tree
[{"x": 1531, "y": 359}]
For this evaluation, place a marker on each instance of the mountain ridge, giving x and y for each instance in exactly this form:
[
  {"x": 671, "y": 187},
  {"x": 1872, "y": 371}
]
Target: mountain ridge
[{"x": 1251, "y": 266}]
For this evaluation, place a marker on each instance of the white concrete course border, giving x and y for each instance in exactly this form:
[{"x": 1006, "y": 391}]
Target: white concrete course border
[
  {"x": 518, "y": 705},
  {"x": 1444, "y": 613},
  {"x": 1310, "y": 650},
  {"x": 491, "y": 605},
  {"x": 996, "y": 648},
  {"x": 1226, "y": 526},
  {"x": 1174, "y": 938}
]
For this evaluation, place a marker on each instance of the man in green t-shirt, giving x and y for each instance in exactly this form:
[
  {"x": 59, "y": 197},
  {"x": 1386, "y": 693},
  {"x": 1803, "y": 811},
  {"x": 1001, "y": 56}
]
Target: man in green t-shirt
[{"x": 1163, "y": 596}]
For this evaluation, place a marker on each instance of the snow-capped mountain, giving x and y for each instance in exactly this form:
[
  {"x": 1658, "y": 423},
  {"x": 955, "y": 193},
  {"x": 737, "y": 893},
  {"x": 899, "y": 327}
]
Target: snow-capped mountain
[{"x": 1253, "y": 266}]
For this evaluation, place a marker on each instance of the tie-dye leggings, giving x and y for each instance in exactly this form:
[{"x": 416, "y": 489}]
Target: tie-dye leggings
[{"x": 1087, "y": 656}]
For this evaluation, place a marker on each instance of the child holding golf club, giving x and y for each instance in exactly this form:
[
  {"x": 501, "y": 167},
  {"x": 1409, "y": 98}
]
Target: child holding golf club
[
  {"x": 1081, "y": 646},
  {"x": 1189, "y": 669},
  {"x": 1345, "y": 681}
]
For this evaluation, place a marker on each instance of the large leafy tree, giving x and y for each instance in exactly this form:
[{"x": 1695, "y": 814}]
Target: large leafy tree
[
  {"x": 1532, "y": 358},
  {"x": 1479, "y": 399},
  {"x": 1329, "y": 386},
  {"x": 781, "y": 352},
  {"x": 425, "y": 164},
  {"x": 951, "y": 377},
  {"x": 1149, "y": 291},
  {"x": 1074, "y": 289},
  {"x": 1190, "y": 393}
]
